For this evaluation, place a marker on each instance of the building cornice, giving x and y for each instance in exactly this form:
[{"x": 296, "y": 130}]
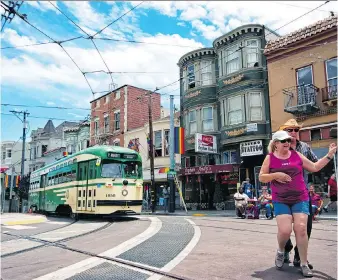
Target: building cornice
[{"x": 196, "y": 53}]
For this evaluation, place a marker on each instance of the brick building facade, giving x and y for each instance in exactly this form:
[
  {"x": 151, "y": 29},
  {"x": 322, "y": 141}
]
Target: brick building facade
[{"x": 119, "y": 111}]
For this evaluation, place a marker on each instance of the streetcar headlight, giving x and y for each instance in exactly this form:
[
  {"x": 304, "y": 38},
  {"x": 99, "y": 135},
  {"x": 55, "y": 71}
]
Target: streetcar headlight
[{"x": 124, "y": 192}]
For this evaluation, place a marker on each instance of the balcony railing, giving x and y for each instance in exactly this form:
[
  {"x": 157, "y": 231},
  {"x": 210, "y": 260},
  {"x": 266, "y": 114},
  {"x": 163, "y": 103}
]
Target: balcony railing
[
  {"x": 300, "y": 99},
  {"x": 329, "y": 93}
]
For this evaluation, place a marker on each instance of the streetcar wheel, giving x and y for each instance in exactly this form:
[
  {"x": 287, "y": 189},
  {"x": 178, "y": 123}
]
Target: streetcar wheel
[{"x": 74, "y": 216}]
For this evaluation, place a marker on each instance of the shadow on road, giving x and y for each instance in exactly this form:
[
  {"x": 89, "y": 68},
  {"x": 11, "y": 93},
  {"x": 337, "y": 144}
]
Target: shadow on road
[{"x": 288, "y": 272}]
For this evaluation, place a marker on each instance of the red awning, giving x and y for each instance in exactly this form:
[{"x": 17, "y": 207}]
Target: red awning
[{"x": 3, "y": 169}]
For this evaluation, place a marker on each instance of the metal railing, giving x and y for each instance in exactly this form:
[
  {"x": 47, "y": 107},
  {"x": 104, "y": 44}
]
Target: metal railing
[
  {"x": 329, "y": 93},
  {"x": 298, "y": 96}
]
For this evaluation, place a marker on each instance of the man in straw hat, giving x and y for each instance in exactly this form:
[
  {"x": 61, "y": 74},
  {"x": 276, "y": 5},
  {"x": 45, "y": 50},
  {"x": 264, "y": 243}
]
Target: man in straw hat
[{"x": 292, "y": 128}]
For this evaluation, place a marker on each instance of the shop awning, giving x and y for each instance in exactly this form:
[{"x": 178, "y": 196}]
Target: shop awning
[
  {"x": 164, "y": 170},
  {"x": 3, "y": 169}
]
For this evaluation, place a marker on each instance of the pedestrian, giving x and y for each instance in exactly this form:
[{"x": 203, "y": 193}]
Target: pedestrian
[
  {"x": 292, "y": 128},
  {"x": 265, "y": 200},
  {"x": 332, "y": 191},
  {"x": 241, "y": 202},
  {"x": 165, "y": 194},
  {"x": 248, "y": 188},
  {"x": 316, "y": 201},
  {"x": 283, "y": 168}
]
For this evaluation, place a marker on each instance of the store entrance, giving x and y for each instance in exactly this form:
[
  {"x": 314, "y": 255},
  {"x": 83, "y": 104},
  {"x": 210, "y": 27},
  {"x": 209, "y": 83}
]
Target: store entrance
[{"x": 207, "y": 192}]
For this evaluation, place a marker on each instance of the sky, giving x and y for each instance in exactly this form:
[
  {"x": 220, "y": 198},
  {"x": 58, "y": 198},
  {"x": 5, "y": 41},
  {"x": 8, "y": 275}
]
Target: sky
[{"x": 43, "y": 75}]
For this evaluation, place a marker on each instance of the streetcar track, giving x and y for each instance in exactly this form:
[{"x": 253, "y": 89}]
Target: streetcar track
[
  {"x": 31, "y": 238},
  {"x": 113, "y": 259}
]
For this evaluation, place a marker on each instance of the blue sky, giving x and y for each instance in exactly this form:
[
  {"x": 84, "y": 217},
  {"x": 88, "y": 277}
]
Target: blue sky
[{"x": 44, "y": 75}]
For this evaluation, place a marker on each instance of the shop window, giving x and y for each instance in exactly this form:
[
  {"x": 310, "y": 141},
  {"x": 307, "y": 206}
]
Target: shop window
[
  {"x": 316, "y": 134},
  {"x": 192, "y": 161},
  {"x": 198, "y": 160},
  {"x": 230, "y": 157},
  {"x": 158, "y": 143}
]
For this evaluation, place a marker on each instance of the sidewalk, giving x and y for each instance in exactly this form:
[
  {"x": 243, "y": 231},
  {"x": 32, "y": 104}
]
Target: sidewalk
[
  {"x": 226, "y": 213},
  {"x": 10, "y": 219}
]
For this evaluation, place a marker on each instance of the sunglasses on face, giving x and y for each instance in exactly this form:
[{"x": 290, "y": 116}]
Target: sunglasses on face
[
  {"x": 285, "y": 141},
  {"x": 292, "y": 129}
]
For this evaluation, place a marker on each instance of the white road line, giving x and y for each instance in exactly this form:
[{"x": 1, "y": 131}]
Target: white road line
[
  {"x": 18, "y": 227},
  {"x": 81, "y": 266},
  {"x": 185, "y": 252}
]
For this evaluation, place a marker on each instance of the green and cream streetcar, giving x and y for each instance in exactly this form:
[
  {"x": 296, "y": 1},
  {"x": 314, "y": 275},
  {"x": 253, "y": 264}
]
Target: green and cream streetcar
[{"x": 99, "y": 180}]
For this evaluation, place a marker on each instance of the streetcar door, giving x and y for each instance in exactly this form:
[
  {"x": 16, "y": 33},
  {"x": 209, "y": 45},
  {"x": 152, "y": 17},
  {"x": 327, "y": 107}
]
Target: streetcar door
[
  {"x": 90, "y": 186},
  {"x": 42, "y": 198},
  {"x": 82, "y": 187}
]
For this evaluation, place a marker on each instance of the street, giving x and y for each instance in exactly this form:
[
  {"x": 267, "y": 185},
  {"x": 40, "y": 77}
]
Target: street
[{"x": 157, "y": 247}]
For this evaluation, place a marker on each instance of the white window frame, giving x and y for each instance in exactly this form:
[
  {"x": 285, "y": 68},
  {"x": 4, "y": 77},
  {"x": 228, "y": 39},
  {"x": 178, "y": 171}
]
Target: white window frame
[
  {"x": 7, "y": 152},
  {"x": 299, "y": 69},
  {"x": 96, "y": 126},
  {"x": 230, "y": 111},
  {"x": 252, "y": 106},
  {"x": 117, "y": 113},
  {"x": 166, "y": 143},
  {"x": 117, "y": 94},
  {"x": 161, "y": 148},
  {"x": 105, "y": 125},
  {"x": 223, "y": 111},
  {"x": 212, "y": 119},
  {"x": 185, "y": 78},
  {"x": 231, "y": 51},
  {"x": 192, "y": 122},
  {"x": 327, "y": 73},
  {"x": 206, "y": 72},
  {"x": 194, "y": 75},
  {"x": 3, "y": 155},
  {"x": 247, "y": 53}
]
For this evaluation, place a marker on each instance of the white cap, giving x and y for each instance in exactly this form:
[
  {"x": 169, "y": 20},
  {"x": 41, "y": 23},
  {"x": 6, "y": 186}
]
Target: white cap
[{"x": 280, "y": 135}]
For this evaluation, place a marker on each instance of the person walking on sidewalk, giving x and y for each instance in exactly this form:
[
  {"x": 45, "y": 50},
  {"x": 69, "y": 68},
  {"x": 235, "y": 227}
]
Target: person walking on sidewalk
[
  {"x": 165, "y": 193},
  {"x": 332, "y": 191},
  {"x": 292, "y": 128},
  {"x": 283, "y": 168}
]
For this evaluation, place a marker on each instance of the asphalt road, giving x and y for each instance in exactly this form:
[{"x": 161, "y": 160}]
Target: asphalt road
[{"x": 152, "y": 247}]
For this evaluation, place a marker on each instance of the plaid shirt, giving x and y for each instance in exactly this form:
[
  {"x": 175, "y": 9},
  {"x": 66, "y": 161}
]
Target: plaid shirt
[{"x": 306, "y": 150}]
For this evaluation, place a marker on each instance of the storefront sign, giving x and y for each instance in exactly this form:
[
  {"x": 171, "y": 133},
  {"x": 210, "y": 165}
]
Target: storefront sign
[
  {"x": 251, "y": 127},
  {"x": 233, "y": 80},
  {"x": 235, "y": 132},
  {"x": 193, "y": 94},
  {"x": 205, "y": 143},
  {"x": 208, "y": 169},
  {"x": 251, "y": 148}
]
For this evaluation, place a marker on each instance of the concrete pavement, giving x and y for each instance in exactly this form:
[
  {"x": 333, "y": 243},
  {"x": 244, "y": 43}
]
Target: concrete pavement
[
  {"x": 208, "y": 247},
  {"x": 21, "y": 219}
]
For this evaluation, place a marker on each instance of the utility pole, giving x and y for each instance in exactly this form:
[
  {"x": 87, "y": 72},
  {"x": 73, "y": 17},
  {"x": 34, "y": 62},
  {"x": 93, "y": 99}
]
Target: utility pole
[
  {"x": 151, "y": 156},
  {"x": 10, "y": 11},
  {"x": 172, "y": 157},
  {"x": 24, "y": 121},
  {"x": 11, "y": 189}
]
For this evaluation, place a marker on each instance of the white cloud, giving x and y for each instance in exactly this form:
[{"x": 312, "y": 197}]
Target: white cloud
[
  {"x": 76, "y": 115},
  {"x": 208, "y": 31},
  {"x": 49, "y": 103},
  {"x": 181, "y": 23},
  {"x": 43, "y": 5}
]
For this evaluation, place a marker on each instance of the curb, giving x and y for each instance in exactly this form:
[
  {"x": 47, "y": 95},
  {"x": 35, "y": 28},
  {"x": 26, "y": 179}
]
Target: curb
[{"x": 24, "y": 222}]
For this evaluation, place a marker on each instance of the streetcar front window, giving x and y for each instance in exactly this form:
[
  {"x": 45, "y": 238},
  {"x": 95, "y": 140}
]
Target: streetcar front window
[
  {"x": 111, "y": 170},
  {"x": 132, "y": 170}
]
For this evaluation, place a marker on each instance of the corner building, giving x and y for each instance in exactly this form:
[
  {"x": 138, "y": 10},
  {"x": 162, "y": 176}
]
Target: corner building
[{"x": 224, "y": 94}]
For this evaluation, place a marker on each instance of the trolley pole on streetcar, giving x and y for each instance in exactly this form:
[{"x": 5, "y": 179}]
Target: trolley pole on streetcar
[
  {"x": 172, "y": 158},
  {"x": 151, "y": 156}
]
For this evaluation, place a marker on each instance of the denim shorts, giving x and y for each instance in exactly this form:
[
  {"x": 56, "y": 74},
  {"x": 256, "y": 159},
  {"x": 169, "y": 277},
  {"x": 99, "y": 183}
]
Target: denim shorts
[{"x": 289, "y": 209}]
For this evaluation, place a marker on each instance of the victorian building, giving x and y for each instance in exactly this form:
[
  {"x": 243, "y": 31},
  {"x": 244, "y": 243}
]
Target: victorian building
[{"x": 225, "y": 113}]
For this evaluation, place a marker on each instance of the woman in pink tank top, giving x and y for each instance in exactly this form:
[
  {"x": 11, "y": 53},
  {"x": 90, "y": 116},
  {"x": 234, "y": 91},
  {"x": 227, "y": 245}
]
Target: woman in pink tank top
[{"x": 283, "y": 168}]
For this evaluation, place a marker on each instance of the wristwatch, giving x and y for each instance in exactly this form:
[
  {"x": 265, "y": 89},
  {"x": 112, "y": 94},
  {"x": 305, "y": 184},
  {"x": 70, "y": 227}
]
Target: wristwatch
[{"x": 328, "y": 158}]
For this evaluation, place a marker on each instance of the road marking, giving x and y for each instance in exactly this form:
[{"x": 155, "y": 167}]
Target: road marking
[
  {"x": 182, "y": 255},
  {"x": 25, "y": 222},
  {"x": 57, "y": 223},
  {"x": 19, "y": 227},
  {"x": 81, "y": 266}
]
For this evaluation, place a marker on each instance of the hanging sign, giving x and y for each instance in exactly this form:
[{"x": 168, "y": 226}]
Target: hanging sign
[{"x": 251, "y": 148}]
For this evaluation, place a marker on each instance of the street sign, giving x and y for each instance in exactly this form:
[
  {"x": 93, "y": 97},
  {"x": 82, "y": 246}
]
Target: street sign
[{"x": 171, "y": 175}]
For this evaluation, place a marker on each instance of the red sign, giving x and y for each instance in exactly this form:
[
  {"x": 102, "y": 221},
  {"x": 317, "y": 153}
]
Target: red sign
[
  {"x": 207, "y": 140},
  {"x": 207, "y": 169}
]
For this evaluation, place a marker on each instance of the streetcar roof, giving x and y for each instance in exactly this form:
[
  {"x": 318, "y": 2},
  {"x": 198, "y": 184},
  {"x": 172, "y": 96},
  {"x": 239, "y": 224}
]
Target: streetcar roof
[{"x": 99, "y": 151}]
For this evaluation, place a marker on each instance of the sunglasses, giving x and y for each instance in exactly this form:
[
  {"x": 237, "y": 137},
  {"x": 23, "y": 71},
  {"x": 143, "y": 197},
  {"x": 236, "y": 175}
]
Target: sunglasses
[
  {"x": 292, "y": 129},
  {"x": 285, "y": 141}
]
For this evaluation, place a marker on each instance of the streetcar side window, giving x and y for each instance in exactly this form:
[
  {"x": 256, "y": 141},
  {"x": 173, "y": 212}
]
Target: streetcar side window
[
  {"x": 79, "y": 194},
  {"x": 79, "y": 203},
  {"x": 89, "y": 193},
  {"x": 95, "y": 192}
]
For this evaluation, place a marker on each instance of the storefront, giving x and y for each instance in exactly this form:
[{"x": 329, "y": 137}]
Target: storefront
[{"x": 210, "y": 186}]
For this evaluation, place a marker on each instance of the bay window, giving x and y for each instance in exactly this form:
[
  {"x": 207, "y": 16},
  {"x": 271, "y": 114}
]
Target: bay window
[
  {"x": 191, "y": 76},
  {"x": 232, "y": 60},
  {"x": 184, "y": 79},
  {"x": 255, "y": 106},
  {"x": 251, "y": 53},
  {"x": 192, "y": 122},
  {"x": 206, "y": 73},
  {"x": 207, "y": 119},
  {"x": 235, "y": 110}
]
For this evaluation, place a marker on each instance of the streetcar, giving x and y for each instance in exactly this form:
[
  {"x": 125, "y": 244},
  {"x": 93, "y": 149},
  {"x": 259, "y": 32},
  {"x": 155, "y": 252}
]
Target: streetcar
[{"x": 100, "y": 180}]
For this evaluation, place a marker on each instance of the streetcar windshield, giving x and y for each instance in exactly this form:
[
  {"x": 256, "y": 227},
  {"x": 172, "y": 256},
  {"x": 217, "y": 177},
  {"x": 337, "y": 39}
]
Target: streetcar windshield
[
  {"x": 111, "y": 170},
  {"x": 122, "y": 170}
]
